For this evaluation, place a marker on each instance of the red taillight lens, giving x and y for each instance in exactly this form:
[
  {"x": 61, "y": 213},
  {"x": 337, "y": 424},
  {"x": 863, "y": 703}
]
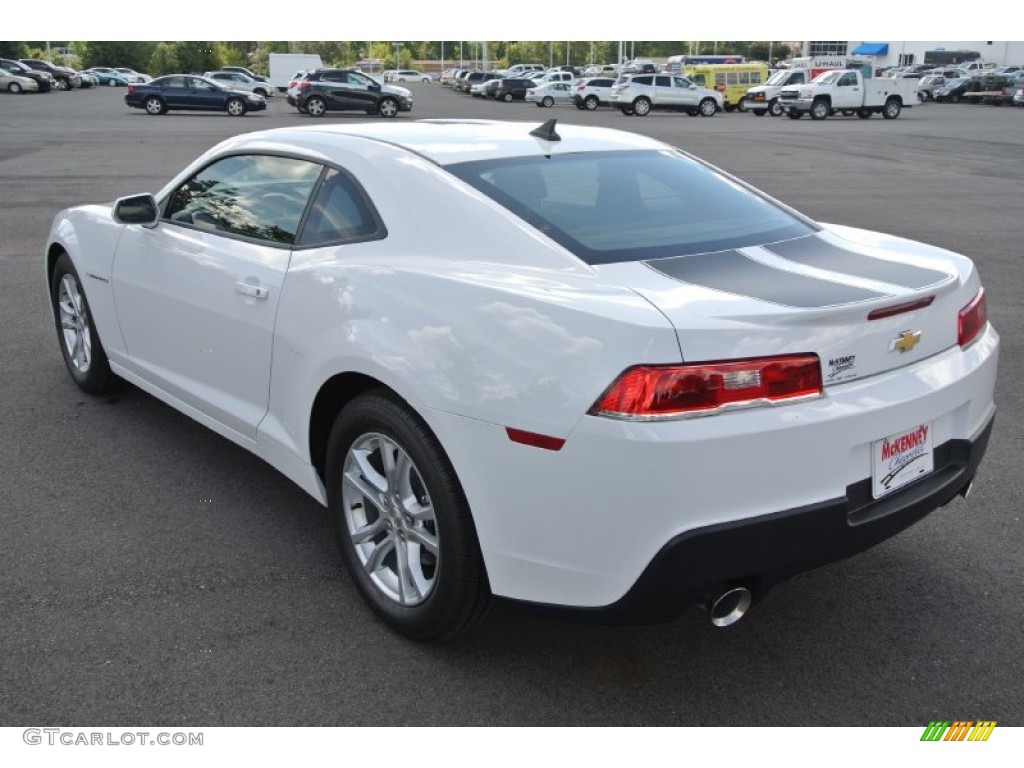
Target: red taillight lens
[
  {"x": 972, "y": 320},
  {"x": 649, "y": 392},
  {"x": 131, "y": 89},
  {"x": 304, "y": 85}
]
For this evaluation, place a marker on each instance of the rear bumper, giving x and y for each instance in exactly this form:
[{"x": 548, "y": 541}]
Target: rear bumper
[{"x": 761, "y": 551}]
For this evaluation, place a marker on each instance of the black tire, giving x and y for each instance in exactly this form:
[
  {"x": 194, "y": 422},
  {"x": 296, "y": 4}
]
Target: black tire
[
  {"x": 707, "y": 108},
  {"x": 547, "y": 101},
  {"x": 437, "y": 594},
  {"x": 794, "y": 115},
  {"x": 849, "y": 112},
  {"x": 316, "y": 106},
  {"x": 864, "y": 114},
  {"x": 591, "y": 103},
  {"x": 892, "y": 109},
  {"x": 235, "y": 107},
  {"x": 774, "y": 108},
  {"x": 642, "y": 106},
  {"x": 85, "y": 358},
  {"x": 742, "y": 105},
  {"x": 693, "y": 111},
  {"x": 63, "y": 84},
  {"x": 729, "y": 107},
  {"x": 507, "y": 98},
  {"x": 759, "y": 112},
  {"x": 14, "y": 87},
  {"x": 154, "y": 105},
  {"x": 387, "y": 107},
  {"x": 820, "y": 110},
  {"x": 261, "y": 92},
  {"x": 626, "y": 110}
]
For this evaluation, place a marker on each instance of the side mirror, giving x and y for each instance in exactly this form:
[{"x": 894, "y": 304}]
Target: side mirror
[{"x": 137, "y": 209}]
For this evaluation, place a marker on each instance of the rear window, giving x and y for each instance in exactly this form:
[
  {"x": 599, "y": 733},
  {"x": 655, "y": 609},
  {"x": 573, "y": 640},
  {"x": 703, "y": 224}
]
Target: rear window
[{"x": 629, "y": 206}]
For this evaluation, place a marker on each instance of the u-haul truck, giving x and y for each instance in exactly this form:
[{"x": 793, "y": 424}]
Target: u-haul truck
[{"x": 764, "y": 99}]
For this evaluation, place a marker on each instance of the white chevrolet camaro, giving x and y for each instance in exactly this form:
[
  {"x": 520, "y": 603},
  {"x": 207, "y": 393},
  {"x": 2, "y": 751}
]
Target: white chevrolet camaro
[{"x": 569, "y": 367}]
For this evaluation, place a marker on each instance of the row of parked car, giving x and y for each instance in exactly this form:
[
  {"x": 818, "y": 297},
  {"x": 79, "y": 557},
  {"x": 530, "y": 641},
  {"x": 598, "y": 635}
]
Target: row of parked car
[
  {"x": 636, "y": 93},
  {"x": 38, "y": 76}
]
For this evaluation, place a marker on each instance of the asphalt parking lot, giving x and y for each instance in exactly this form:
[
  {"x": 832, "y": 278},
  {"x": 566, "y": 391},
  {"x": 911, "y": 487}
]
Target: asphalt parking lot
[{"x": 126, "y": 600}]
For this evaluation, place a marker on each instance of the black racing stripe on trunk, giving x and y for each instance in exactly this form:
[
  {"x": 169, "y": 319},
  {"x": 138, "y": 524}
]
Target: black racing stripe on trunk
[
  {"x": 814, "y": 251},
  {"x": 733, "y": 272}
]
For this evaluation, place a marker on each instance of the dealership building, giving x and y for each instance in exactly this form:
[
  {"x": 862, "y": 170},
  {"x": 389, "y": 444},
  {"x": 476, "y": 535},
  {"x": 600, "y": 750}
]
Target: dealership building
[{"x": 889, "y": 53}]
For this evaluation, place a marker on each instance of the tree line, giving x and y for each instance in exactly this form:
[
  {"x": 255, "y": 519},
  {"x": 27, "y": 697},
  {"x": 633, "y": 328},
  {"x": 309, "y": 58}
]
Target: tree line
[{"x": 160, "y": 58}]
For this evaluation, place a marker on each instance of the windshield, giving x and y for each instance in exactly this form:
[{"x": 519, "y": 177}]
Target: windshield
[
  {"x": 631, "y": 205},
  {"x": 779, "y": 78},
  {"x": 827, "y": 78}
]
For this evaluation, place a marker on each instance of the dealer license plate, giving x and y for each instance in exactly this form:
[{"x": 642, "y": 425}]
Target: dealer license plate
[{"x": 900, "y": 459}]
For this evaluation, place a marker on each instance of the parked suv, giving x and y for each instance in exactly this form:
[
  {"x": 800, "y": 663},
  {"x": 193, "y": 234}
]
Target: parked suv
[
  {"x": 65, "y": 77},
  {"x": 593, "y": 92},
  {"x": 347, "y": 89},
  {"x": 466, "y": 82},
  {"x": 43, "y": 79},
  {"x": 639, "y": 94},
  {"x": 511, "y": 88}
]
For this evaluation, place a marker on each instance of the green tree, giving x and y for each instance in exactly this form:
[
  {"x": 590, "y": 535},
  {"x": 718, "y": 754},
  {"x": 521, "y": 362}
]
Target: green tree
[
  {"x": 13, "y": 49},
  {"x": 197, "y": 55},
  {"x": 163, "y": 61},
  {"x": 117, "y": 53}
]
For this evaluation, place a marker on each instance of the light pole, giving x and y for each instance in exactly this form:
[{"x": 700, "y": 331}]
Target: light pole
[{"x": 398, "y": 64}]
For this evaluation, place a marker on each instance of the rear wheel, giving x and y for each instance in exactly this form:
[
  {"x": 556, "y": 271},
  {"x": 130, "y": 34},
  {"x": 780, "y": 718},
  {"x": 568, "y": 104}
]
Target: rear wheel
[
  {"x": 590, "y": 103},
  {"x": 155, "y": 105},
  {"x": 864, "y": 114},
  {"x": 742, "y": 106},
  {"x": 707, "y": 108},
  {"x": 403, "y": 525},
  {"x": 642, "y": 106},
  {"x": 548, "y": 101},
  {"x": 387, "y": 107},
  {"x": 626, "y": 110},
  {"x": 507, "y": 97},
  {"x": 109, "y": 82},
  {"x": 80, "y": 343},
  {"x": 316, "y": 106},
  {"x": 235, "y": 107},
  {"x": 892, "y": 109},
  {"x": 794, "y": 115}
]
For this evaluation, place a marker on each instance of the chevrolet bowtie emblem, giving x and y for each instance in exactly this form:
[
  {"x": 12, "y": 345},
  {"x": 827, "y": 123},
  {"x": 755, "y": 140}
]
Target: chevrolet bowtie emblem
[{"x": 905, "y": 342}]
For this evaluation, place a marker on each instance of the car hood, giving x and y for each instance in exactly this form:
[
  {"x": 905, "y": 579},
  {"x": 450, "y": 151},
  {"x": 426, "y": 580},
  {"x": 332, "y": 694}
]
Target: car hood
[
  {"x": 812, "y": 294},
  {"x": 395, "y": 90}
]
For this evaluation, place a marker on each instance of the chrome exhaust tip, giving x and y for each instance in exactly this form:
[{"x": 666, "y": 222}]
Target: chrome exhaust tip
[
  {"x": 966, "y": 490},
  {"x": 730, "y": 606}
]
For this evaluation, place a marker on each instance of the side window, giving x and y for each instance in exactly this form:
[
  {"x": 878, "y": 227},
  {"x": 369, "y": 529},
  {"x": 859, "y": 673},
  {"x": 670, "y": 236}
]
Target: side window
[
  {"x": 680, "y": 82},
  {"x": 173, "y": 82},
  {"x": 797, "y": 78},
  {"x": 340, "y": 212},
  {"x": 663, "y": 80},
  {"x": 848, "y": 79},
  {"x": 257, "y": 196},
  {"x": 698, "y": 79},
  {"x": 643, "y": 80}
]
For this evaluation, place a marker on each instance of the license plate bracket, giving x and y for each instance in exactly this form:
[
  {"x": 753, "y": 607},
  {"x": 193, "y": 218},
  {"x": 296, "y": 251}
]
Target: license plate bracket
[{"x": 900, "y": 459}]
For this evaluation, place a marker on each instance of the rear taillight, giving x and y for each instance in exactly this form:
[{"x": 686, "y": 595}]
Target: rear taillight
[
  {"x": 650, "y": 392},
  {"x": 131, "y": 89},
  {"x": 972, "y": 320},
  {"x": 304, "y": 85}
]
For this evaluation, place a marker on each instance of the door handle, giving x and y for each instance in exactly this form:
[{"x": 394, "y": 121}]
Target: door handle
[{"x": 252, "y": 290}]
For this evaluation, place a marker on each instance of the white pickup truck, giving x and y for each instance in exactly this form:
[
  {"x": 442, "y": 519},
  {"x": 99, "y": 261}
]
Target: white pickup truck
[{"x": 849, "y": 92}]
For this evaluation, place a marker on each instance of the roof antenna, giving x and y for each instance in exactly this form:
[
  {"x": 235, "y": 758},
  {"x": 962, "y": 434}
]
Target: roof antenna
[{"x": 547, "y": 131}]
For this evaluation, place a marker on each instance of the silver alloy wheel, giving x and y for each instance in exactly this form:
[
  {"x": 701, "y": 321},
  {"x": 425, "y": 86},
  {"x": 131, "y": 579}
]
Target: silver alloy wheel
[
  {"x": 641, "y": 107},
  {"x": 548, "y": 101},
  {"x": 316, "y": 106},
  {"x": 14, "y": 88},
  {"x": 390, "y": 519},
  {"x": 62, "y": 85},
  {"x": 590, "y": 103},
  {"x": 74, "y": 321},
  {"x": 112, "y": 82},
  {"x": 388, "y": 108},
  {"x": 154, "y": 106},
  {"x": 707, "y": 108}
]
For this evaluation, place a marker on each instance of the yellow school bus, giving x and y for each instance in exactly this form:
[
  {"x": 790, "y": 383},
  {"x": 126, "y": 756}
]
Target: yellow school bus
[{"x": 731, "y": 80}]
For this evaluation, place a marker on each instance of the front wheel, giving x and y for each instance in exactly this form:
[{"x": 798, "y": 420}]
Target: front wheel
[
  {"x": 112, "y": 83},
  {"x": 742, "y": 106},
  {"x": 794, "y": 115},
  {"x": 774, "y": 108},
  {"x": 707, "y": 108},
  {"x": 235, "y": 107},
  {"x": 387, "y": 107},
  {"x": 548, "y": 101},
  {"x": 80, "y": 343},
  {"x": 403, "y": 524},
  {"x": 820, "y": 110},
  {"x": 63, "y": 85},
  {"x": 14, "y": 88},
  {"x": 892, "y": 109}
]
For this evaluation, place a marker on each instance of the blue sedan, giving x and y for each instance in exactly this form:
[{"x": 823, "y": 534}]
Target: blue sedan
[{"x": 191, "y": 92}]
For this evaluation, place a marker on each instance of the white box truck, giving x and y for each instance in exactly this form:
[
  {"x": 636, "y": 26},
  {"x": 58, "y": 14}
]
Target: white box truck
[{"x": 284, "y": 65}]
